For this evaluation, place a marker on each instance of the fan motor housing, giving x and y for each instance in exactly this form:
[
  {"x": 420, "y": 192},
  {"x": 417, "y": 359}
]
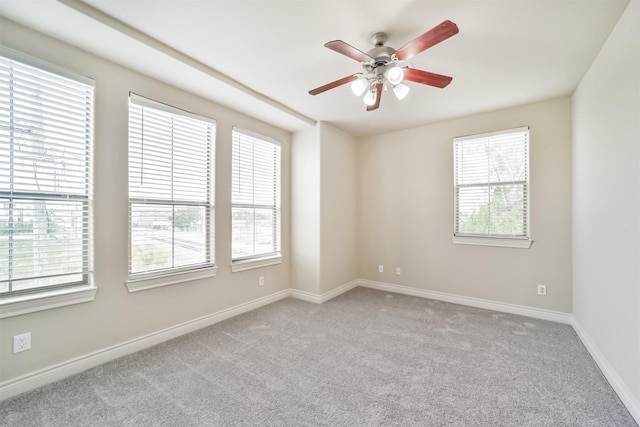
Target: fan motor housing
[{"x": 381, "y": 54}]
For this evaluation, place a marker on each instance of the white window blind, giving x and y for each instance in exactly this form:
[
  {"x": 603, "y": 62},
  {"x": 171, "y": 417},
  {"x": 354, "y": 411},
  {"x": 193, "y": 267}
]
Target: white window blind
[
  {"x": 170, "y": 189},
  {"x": 491, "y": 177},
  {"x": 46, "y": 137},
  {"x": 255, "y": 196}
]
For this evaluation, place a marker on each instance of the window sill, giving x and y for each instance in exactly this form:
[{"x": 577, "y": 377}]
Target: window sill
[
  {"x": 492, "y": 241},
  {"x": 144, "y": 283},
  {"x": 30, "y": 303},
  {"x": 249, "y": 264}
]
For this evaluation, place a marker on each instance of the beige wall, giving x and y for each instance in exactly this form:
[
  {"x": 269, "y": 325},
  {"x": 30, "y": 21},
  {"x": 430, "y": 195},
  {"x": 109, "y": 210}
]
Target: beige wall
[
  {"x": 405, "y": 203},
  {"x": 116, "y": 316},
  {"x": 323, "y": 209},
  {"x": 606, "y": 203},
  {"x": 305, "y": 210},
  {"x": 338, "y": 229}
]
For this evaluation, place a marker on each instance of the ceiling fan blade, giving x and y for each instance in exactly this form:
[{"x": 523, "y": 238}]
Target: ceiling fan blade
[
  {"x": 378, "y": 96},
  {"x": 431, "y": 38},
  {"x": 331, "y": 85},
  {"x": 348, "y": 50},
  {"x": 426, "y": 78}
]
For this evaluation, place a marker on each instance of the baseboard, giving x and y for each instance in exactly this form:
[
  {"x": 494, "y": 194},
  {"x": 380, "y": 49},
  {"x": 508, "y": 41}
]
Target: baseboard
[
  {"x": 57, "y": 372},
  {"x": 625, "y": 395},
  {"x": 554, "y": 316},
  {"x": 319, "y": 299}
]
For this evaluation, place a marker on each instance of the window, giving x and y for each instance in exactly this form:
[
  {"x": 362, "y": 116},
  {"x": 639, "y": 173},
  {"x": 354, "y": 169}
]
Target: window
[
  {"x": 46, "y": 137},
  {"x": 491, "y": 188},
  {"x": 170, "y": 194},
  {"x": 255, "y": 199}
]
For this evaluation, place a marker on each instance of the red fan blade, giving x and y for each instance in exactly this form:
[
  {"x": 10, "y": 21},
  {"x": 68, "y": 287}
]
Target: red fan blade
[
  {"x": 348, "y": 50},
  {"x": 426, "y": 78},
  {"x": 428, "y": 39},
  {"x": 331, "y": 85},
  {"x": 378, "y": 96}
]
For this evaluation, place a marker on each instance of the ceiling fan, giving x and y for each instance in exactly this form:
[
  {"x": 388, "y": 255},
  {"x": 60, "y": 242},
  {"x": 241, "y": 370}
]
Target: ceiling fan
[{"x": 383, "y": 64}]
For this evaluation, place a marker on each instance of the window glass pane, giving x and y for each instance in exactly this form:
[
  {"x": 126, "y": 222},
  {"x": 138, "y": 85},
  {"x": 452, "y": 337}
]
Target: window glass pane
[
  {"x": 507, "y": 210},
  {"x": 473, "y": 210},
  {"x": 491, "y": 181},
  {"x": 189, "y": 235},
  {"x": 46, "y": 130},
  {"x": 243, "y": 231},
  {"x": 170, "y": 188},
  {"x": 265, "y": 239},
  {"x": 151, "y": 237},
  {"x": 255, "y": 196}
]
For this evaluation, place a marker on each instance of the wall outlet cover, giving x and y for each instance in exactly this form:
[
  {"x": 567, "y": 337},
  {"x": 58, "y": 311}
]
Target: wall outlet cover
[{"x": 22, "y": 342}]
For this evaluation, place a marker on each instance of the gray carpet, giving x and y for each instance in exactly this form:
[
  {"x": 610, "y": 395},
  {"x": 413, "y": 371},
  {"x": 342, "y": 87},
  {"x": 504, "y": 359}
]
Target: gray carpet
[{"x": 366, "y": 358}]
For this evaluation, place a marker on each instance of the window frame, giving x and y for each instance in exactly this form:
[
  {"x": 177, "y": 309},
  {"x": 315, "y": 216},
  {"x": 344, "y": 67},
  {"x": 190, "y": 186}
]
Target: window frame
[
  {"x": 139, "y": 281},
  {"x": 499, "y": 240},
  {"x": 262, "y": 259},
  {"x": 72, "y": 292}
]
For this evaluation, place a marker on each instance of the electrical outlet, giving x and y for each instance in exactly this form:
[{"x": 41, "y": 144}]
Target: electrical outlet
[
  {"x": 381, "y": 268},
  {"x": 398, "y": 271},
  {"x": 542, "y": 290},
  {"x": 261, "y": 281},
  {"x": 22, "y": 342}
]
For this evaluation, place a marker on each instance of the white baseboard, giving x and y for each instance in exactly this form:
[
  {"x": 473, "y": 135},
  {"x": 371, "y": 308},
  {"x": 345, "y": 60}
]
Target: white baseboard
[
  {"x": 57, "y": 372},
  {"x": 626, "y": 396},
  {"x": 554, "y": 316},
  {"x": 319, "y": 299}
]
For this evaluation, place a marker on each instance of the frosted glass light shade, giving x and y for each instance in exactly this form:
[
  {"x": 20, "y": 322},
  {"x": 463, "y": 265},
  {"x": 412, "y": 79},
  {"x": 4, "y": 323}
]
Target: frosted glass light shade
[
  {"x": 369, "y": 98},
  {"x": 394, "y": 75},
  {"x": 401, "y": 91},
  {"x": 359, "y": 86}
]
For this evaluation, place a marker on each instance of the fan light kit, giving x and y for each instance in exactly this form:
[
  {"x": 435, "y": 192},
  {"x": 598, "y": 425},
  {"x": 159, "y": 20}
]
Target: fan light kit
[{"x": 385, "y": 67}]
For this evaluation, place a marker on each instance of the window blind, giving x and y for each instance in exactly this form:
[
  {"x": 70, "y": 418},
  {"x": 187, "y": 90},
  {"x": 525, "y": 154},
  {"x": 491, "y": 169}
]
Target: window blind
[
  {"x": 491, "y": 178},
  {"x": 255, "y": 195},
  {"x": 170, "y": 189},
  {"x": 46, "y": 137}
]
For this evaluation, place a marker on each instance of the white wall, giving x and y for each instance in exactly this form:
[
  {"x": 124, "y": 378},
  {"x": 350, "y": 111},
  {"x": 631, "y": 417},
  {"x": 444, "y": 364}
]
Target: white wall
[
  {"x": 405, "y": 202},
  {"x": 606, "y": 206},
  {"x": 116, "y": 316}
]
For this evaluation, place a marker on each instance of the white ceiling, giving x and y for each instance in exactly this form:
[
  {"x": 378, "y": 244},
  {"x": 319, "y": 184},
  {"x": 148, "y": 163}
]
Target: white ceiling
[{"x": 261, "y": 57}]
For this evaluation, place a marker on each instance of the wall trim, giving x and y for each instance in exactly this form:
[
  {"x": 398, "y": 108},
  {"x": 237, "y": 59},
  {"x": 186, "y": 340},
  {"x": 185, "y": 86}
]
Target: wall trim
[
  {"x": 319, "y": 299},
  {"x": 626, "y": 396},
  {"x": 30, "y": 303},
  {"x": 70, "y": 367},
  {"x": 144, "y": 38},
  {"x": 554, "y": 316}
]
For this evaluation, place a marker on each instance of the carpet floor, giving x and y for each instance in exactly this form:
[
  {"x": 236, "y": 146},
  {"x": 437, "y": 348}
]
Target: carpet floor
[{"x": 365, "y": 358}]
